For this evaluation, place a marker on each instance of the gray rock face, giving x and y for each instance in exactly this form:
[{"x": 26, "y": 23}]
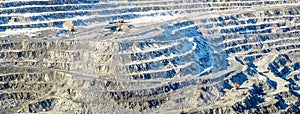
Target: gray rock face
[{"x": 183, "y": 56}]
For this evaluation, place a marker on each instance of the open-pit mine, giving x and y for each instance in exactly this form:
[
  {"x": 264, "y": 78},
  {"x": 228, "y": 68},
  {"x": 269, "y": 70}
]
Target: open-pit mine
[{"x": 149, "y": 56}]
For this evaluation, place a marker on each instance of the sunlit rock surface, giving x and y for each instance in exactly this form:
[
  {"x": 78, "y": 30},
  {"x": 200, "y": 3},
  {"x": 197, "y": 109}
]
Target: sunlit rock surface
[{"x": 149, "y": 56}]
